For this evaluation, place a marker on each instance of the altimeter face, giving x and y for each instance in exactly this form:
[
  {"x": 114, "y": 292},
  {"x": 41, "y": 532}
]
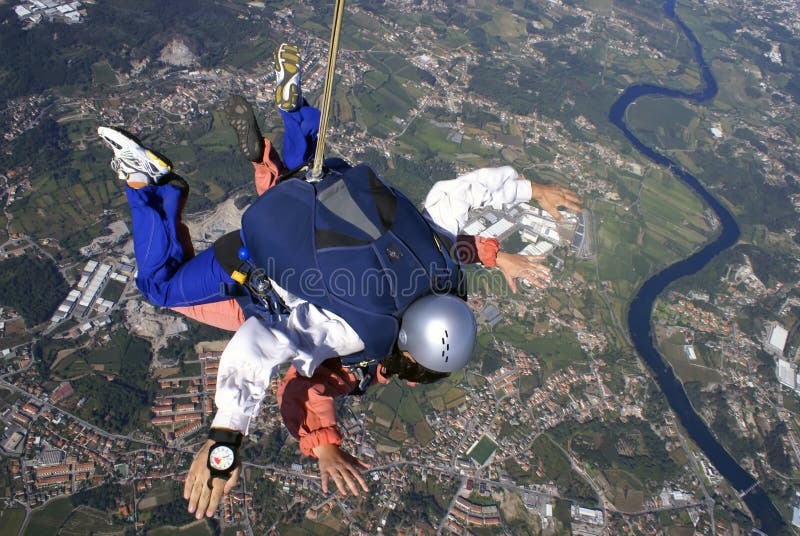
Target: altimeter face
[{"x": 221, "y": 458}]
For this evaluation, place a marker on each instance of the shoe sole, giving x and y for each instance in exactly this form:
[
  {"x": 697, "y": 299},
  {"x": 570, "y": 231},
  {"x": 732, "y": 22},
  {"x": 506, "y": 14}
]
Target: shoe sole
[
  {"x": 241, "y": 117},
  {"x": 287, "y": 65}
]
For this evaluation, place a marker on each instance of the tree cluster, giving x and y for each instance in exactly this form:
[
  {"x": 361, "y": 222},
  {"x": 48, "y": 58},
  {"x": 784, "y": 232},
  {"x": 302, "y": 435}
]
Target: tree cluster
[
  {"x": 31, "y": 286},
  {"x": 172, "y": 514},
  {"x": 102, "y": 498},
  {"x": 56, "y": 54}
]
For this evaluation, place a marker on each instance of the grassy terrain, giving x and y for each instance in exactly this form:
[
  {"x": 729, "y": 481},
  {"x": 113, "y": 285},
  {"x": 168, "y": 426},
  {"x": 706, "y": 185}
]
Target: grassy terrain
[
  {"x": 423, "y": 433},
  {"x": 626, "y": 491},
  {"x": 107, "y": 359},
  {"x": 628, "y": 456},
  {"x": 11, "y": 520},
  {"x": 160, "y": 493},
  {"x": 51, "y": 518},
  {"x": 482, "y": 450},
  {"x": 398, "y": 410},
  {"x": 85, "y": 520},
  {"x": 663, "y": 223},
  {"x": 665, "y": 123},
  {"x": 103, "y": 74},
  {"x": 382, "y": 414},
  {"x": 197, "y": 528},
  {"x": 688, "y": 371},
  {"x": 556, "y": 351},
  {"x": 549, "y": 464}
]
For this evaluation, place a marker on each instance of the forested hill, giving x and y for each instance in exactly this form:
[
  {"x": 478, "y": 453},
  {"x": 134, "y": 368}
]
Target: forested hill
[
  {"x": 57, "y": 54},
  {"x": 31, "y": 286}
]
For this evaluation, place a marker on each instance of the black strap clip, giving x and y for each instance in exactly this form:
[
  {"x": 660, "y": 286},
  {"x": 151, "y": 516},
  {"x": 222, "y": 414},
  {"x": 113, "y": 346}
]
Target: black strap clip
[{"x": 364, "y": 375}]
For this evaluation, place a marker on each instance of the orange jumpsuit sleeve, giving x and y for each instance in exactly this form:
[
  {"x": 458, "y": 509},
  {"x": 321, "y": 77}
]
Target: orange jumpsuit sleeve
[
  {"x": 307, "y": 404},
  {"x": 225, "y": 314},
  {"x": 269, "y": 169},
  {"x": 474, "y": 249}
]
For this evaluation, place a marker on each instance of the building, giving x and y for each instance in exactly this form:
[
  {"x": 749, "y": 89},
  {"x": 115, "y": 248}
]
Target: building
[
  {"x": 777, "y": 338},
  {"x": 499, "y": 229},
  {"x": 587, "y": 515},
  {"x": 786, "y": 374},
  {"x": 491, "y": 315},
  {"x": 63, "y": 391},
  {"x": 474, "y": 228},
  {"x": 192, "y": 427},
  {"x": 13, "y": 442}
]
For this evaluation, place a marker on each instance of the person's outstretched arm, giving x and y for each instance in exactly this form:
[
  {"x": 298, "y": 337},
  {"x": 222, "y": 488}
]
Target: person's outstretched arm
[
  {"x": 309, "y": 413},
  {"x": 308, "y": 337},
  {"x": 449, "y": 202}
]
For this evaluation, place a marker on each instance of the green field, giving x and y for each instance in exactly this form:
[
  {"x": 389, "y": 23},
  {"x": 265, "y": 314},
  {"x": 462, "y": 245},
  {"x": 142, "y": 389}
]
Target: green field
[
  {"x": 197, "y": 528},
  {"x": 391, "y": 395},
  {"x": 629, "y": 454},
  {"x": 11, "y": 520},
  {"x": 107, "y": 359},
  {"x": 664, "y": 222},
  {"x": 627, "y": 491},
  {"x": 688, "y": 371},
  {"x": 50, "y": 519},
  {"x": 85, "y": 520},
  {"x": 423, "y": 433},
  {"x": 382, "y": 414},
  {"x": 103, "y": 74},
  {"x": 409, "y": 409},
  {"x": 157, "y": 495},
  {"x": 482, "y": 450},
  {"x": 556, "y": 351},
  {"x": 398, "y": 412},
  {"x": 666, "y": 123},
  {"x": 549, "y": 464}
]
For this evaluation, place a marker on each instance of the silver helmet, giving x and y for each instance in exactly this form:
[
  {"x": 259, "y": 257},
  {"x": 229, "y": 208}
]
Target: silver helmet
[{"x": 438, "y": 332}]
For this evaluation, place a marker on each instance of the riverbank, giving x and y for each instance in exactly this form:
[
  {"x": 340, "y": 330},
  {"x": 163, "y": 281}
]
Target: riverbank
[{"x": 641, "y": 307}]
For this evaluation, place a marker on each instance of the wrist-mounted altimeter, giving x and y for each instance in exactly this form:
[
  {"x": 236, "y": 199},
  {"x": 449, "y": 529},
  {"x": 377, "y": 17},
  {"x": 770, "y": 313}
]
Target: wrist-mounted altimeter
[{"x": 223, "y": 456}]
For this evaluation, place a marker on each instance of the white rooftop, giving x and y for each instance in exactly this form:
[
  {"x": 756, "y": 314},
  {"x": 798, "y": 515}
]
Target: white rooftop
[
  {"x": 540, "y": 248},
  {"x": 473, "y": 228},
  {"x": 786, "y": 373},
  {"x": 498, "y": 228},
  {"x": 777, "y": 337}
]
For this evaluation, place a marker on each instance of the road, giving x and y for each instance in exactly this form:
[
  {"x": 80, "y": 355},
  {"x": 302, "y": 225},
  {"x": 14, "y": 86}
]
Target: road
[{"x": 99, "y": 431}]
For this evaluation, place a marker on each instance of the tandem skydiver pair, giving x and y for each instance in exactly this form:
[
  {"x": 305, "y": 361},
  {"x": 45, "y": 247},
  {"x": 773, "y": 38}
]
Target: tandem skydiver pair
[{"x": 343, "y": 278}]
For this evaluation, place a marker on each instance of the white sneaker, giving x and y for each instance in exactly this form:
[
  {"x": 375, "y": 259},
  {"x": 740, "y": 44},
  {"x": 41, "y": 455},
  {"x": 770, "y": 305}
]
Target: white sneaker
[
  {"x": 287, "y": 73},
  {"x": 132, "y": 161}
]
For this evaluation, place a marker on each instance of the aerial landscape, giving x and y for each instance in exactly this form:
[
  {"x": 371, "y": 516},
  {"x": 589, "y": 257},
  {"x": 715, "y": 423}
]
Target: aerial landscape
[{"x": 653, "y": 387}]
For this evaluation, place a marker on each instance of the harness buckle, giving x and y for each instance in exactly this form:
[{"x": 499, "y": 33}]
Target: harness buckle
[{"x": 364, "y": 377}]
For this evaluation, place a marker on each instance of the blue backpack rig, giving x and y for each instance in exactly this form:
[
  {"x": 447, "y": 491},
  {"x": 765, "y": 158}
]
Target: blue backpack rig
[{"x": 350, "y": 244}]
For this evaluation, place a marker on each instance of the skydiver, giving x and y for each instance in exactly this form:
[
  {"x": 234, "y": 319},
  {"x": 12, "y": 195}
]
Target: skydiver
[{"x": 314, "y": 338}]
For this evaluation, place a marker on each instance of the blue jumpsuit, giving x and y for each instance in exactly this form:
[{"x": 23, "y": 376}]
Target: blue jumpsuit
[{"x": 169, "y": 275}]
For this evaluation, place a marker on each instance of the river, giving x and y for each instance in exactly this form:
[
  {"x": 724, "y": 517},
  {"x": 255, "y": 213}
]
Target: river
[{"x": 641, "y": 308}]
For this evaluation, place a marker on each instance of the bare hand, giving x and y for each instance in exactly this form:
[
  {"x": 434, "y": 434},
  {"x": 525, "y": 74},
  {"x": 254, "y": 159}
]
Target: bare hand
[
  {"x": 341, "y": 467},
  {"x": 528, "y": 267},
  {"x": 552, "y": 196},
  {"x": 201, "y": 499}
]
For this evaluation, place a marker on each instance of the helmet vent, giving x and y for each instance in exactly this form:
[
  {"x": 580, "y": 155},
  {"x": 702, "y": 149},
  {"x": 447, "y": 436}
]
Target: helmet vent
[{"x": 446, "y": 347}]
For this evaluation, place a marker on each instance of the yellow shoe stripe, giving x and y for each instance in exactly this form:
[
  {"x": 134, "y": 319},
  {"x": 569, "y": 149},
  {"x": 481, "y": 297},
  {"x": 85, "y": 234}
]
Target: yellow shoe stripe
[{"x": 154, "y": 157}]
